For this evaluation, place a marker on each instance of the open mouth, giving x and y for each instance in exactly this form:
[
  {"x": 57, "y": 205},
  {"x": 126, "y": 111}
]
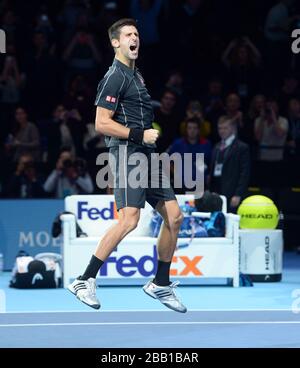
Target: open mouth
[{"x": 133, "y": 47}]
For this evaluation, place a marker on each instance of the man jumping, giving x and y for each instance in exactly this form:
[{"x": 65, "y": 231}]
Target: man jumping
[{"x": 125, "y": 115}]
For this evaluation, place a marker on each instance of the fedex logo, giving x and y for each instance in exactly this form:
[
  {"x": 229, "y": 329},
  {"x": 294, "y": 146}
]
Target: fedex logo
[
  {"x": 127, "y": 266},
  {"x": 94, "y": 213}
]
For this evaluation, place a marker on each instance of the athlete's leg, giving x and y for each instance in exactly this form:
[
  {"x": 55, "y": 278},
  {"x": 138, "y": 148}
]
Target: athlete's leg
[
  {"x": 85, "y": 286},
  {"x": 161, "y": 288},
  {"x": 128, "y": 220},
  {"x": 167, "y": 239},
  {"x": 172, "y": 219}
]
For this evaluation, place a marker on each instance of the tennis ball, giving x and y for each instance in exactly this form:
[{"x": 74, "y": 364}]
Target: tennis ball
[
  {"x": 157, "y": 127},
  {"x": 258, "y": 212}
]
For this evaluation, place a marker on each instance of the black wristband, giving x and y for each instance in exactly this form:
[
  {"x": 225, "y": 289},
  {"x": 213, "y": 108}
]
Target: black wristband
[{"x": 136, "y": 135}]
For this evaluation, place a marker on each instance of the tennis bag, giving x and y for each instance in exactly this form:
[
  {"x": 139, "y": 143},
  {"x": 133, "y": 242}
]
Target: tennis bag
[
  {"x": 194, "y": 227},
  {"x": 191, "y": 226},
  {"x": 42, "y": 271},
  {"x": 215, "y": 225}
]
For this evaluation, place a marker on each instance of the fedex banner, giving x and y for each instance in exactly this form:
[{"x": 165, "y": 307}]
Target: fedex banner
[
  {"x": 135, "y": 258},
  {"x": 139, "y": 261}
]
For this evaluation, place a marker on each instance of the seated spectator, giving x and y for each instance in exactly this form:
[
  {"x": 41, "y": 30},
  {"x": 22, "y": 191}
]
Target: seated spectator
[
  {"x": 194, "y": 110},
  {"x": 25, "y": 182},
  {"x": 193, "y": 143},
  {"x": 69, "y": 177},
  {"x": 230, "y": 165},
  {"x": 25, "y": 138},
  {"x": 271, "y": 133},
  {"x": 293, "y": 138}
]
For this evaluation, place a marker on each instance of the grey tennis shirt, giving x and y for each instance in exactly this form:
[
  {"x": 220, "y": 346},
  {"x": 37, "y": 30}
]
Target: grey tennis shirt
[{"x": 123, "y": 91}]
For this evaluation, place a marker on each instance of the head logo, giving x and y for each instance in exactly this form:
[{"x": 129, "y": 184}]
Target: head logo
[
  {"x": 94, "y": 213},
  {"x": 2, "y": 42},
  {"x": 127, "y": 266},
  {"x": 267, "y": 216},
  {"x": 37, "y": 277}
]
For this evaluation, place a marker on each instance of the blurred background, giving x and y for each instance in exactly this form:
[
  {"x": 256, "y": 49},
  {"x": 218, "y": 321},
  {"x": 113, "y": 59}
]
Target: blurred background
[{"x": 204, "y": 61}]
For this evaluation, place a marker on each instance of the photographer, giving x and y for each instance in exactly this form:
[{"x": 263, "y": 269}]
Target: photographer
[
  {"x": 25, "y": 182},
  {"x": 271, "y": 133},
  {"x": 69, "y": 177}
]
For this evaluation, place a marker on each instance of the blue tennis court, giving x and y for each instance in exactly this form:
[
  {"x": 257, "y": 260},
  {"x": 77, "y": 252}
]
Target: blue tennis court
[
  {"x": 266, "y": 315},
  {"x": 122, "y": 329}
]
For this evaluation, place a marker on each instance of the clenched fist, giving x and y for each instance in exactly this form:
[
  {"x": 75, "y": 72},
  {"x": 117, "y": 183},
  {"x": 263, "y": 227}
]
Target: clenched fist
[{"x": 150, "y": 136}]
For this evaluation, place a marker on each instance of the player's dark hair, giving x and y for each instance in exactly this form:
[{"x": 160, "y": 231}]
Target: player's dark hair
[{"x": 115, "y": 29}]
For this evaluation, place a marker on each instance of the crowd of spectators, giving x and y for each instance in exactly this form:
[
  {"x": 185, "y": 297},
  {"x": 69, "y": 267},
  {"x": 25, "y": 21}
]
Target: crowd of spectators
[{"x": 210, "y": 66}]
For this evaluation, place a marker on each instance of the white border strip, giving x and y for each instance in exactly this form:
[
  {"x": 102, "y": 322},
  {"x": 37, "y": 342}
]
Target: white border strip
[
  {"x": 147, "y": 310},
  {"x": 148, "y": 323}
]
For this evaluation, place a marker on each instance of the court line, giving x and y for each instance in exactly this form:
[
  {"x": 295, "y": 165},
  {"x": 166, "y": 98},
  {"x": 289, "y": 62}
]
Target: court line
[
  {"x": 148, "y": 310},
  {"x": 147, "y": 323}
]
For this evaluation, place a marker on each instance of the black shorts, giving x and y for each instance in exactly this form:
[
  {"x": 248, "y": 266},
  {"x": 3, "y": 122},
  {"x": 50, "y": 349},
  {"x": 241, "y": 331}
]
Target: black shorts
[{"x": 139, "y": 181}]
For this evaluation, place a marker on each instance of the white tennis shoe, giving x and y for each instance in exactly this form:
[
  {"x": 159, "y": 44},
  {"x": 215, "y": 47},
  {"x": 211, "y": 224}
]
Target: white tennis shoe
[
  {"x": 85, "y": 291},
  {"x": 166, "y": 295}
]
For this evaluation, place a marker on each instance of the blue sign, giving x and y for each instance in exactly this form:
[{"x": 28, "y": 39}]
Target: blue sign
[{"x": 26, "y": 225}]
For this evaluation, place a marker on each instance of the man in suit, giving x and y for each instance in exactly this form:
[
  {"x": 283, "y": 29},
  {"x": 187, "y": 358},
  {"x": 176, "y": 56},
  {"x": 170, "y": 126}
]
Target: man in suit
[{"x": 230, "y": 165}]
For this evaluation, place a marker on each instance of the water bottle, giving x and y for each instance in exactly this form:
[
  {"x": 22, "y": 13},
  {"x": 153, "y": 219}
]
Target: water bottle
[{"x": 1, "y": 263}]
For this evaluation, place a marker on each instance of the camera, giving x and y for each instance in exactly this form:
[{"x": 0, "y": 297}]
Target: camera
[
  {"x": 67, "y": 164},
  {"x": 78, "y": 165}
]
